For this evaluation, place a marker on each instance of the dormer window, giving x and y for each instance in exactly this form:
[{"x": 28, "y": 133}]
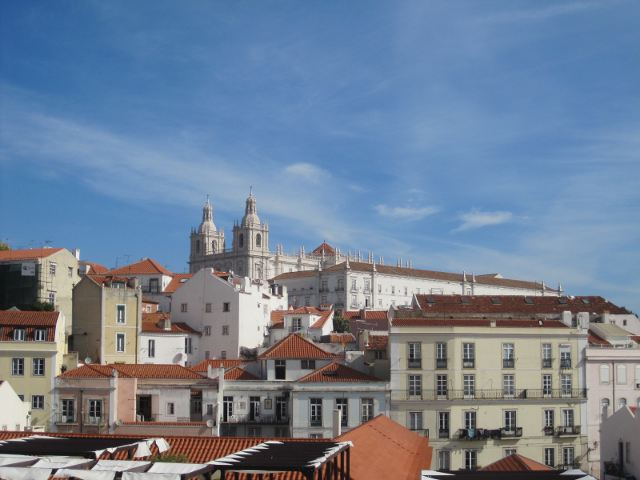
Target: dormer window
[
  {"x": 40, "y": 335},
  {"x": 296, "y": 324},
  {"x": 19, "y": 335}
]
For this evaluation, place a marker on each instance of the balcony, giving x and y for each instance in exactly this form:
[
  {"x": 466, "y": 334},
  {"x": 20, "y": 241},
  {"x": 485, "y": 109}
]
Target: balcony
[
  {"x": 414, "y": 363},
  {"x": 423, "y": 432},
  {"x": 257, "y": 420},
  {"x": 548, "y": 431},
  {"x": 338, "y": 289},
  {"x": 568, "y": 430},
  {"x": 513, "y": 432},
  {"x": 61, "y": 419},
  {"x": 508, "y": 363},
  {"x": 468, "y": 363},
  {"x": 482, "y": 434},
  {"x": 565, "y": 363},
  {"x": 480, "y": 394},
  {"x": 441, "y": 363},
  {"x": 443, "y": 433},
  {"x": 323, "y": 290},
  {"x": 547, "y": 362}
]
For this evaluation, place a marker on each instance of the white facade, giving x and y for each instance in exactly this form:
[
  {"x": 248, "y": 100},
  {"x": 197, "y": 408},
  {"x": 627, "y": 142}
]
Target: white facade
[
  {"x": 14, "y": 414},
  {"x": 311, "y": 322},
  {"x": 163, "y": 348},
  {"x": 620, "y": 445},
  {"x": 231, "y": 312}
]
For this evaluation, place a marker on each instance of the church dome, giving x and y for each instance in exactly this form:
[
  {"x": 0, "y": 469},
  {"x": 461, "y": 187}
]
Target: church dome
[
  {"x": 207, "y": 227},
  {"x": 250, "y": 212}
]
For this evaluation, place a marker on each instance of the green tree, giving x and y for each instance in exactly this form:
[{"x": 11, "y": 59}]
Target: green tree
[
  {"x": 42, "y": 306},
  {"x": 4, "y": 246},
  {"x": 340, "y": 324}
]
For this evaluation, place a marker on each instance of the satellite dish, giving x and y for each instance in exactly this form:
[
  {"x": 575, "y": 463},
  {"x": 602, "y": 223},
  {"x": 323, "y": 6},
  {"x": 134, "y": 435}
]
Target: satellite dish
[
  {"x": 87, "y": 360},
  {"x": 180, "y": 357},
  {"x": 210, "y": 423}
]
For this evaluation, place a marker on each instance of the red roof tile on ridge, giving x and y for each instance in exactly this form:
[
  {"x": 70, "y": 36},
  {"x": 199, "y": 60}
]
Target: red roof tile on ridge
[
  {"x": 95, "y": 267},
  {"x": 28, "y": 318},
  {"x": 177, "y": 281},
  {"x": 516, "y": 463},
  {"x": 595, "y": 339},
  {"x": 324, "y": 317},
  {"x": 153, "y": 323},
  {"x": 377, "y": 342},
  {"x": 475, "y": 322},
  {"x": 323, "y": 247},
  {"x": 139, "y": 370},
  {"x": 145, "y": 266},
  {"x": 386, "y": 449},
  {"x": 337, "y": 373},
  {"x": 218, "y": 363},
  {"x": 294, "y": 346},
  {"x": 28, "y": 254},
  {"x": 239, "y": 373}
]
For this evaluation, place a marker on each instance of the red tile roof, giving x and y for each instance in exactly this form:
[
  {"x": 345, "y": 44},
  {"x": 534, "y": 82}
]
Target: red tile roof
[
  {"x": 324, "y": 318},
  {"x": 366, "y": 320},
  {"x": 515, "y": 304},
  {"x": 139, "y": 370},
  {"x": 108, "y": 280},
  {"x": 177, "y": 281},
  {"x": 377, "y": 342},
  {"x": 475, "y": 322},
  {"x": 304, "y": 311},
  {"x": 339, "y": 338},
  {"x": 277, "y": 318},
  {"x": 635, "y": 338},
  {"x": 300, "y": 274},
  {"x": 516, "y": 463},
  {"x": 154, "y": 323},
  {"x": 595, "y": 339},
  {"x": 386, "y": 449},
  {"x": 29, "y": 254},
  {"x": 146, "y": 266},
  {"x": 294, "y": 346},
  {"x": 94, "y": 267},
  {"x": 325, "y": 248},
  {"x": 29, "y": 321},
  {"x": 337, "y": 373},
  {"x": 239, "y": 373},
  {"x": 217, "y": 363}
]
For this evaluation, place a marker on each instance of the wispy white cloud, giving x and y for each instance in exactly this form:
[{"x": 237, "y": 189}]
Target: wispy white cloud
[
  {"x": 478, "y": 219},
  {"x": 307, "y": 171},
  {"x": 405, "y": 213}
]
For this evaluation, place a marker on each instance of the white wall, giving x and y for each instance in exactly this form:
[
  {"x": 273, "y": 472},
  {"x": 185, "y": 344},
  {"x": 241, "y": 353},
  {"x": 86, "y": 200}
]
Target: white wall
[
  {"x": 169, "y": 348},
  {"x": 13, "y": 414},
  {"x": 294, "y": 371},
  {"x": 624, "y": 427}
]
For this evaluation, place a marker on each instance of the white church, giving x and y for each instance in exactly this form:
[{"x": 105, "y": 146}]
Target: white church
[{"x": 326, "y": 276}]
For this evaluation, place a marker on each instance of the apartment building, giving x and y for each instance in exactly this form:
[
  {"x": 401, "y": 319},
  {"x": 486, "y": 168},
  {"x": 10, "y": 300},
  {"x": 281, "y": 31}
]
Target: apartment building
[
  {"x": 309, "y": 321},
  {"x": 32, "y": 347},
  {"x": 108, "y": 312},
  {"x": 163, "y": 341},
  {"x": 39, "y": 275},
  {"x": 483, "y": 388}
]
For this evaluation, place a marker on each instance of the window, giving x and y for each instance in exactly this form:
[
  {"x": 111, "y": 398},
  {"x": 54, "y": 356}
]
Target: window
[
  {"x": 508, "y": 355},
  {"x": 70, "y": 272},
  {"x": 68, "y": 410},
  {"x": 37, "y": 402},
  {"x": 415, "y": 420},
  {"x": 441, "y": 355},
  {"x": 443, "y": 424},
  {"x": 441, "y": 385},
  {"x": 546, "y": 355},
  {"x": 550, "y": 457},
  {"x": 315, "y": 419},
  {"x": 226, "y": 307},
  {"x": 52, "y": 298},
  {"x": 354, "y": 300},
  {"x": 604, "y": 408},
  {"x": 258, "y": 240},
  {"x": 40, "y": 335},
  {"x": 95, "y": 411},
  {"x": 415, "y": 355},
  {"x": 444, "y": 460},
  {"x": 315, "y": 435},
  {"x": 604, "y": 374},
  {"x": 406, "y": 291},
  {"x": 209, "y": 409},
  {"x": 38, "y": 367},
  {"x": 227, "y": 408},
  {"x": 52, "y": 268},
  {"x": 241, "y": 240},
  {"x": 171, "y": 408},
  {"x": 343, "y": 405},
  {"x": 470, "y": 419},
  {"x": 469, "y": 385},
  {"x": 470, "y": 459},
  {"x": 510, "y": 451},
  {"x": 547, "y": 384},
  {"x": 187, "y": 345},
  {"x": 17, "y": 366},
  {"x": 308, "y": 364},
  {"x": 296, "y": 324},
  {"x": 120, "y": 316},
  {"x": 340, "y": 286},
  {"x": 508, "y": 385},
  {"x": 622, "y": 402},
  {"x": 415, "y": 385},
  {"x": 379, "y": 354},
  {"x": 207, "y": 354},
  {"x": 207, "y": 308},
  {"x": 366, "y": 410},
  {"x": 119, "y": 342},
  {"x": 379, "y": 288},
  {"x": 282, "y": 406},
  {"x": 225, "y": 329},
  {"x": 393, "y": 290},
  {"x": 567, "y": 417},
  {"x": 152, "y": 348},
  {"x": 354, "y": 285},
  {"x": 568, "y": 456},
  {"x": 207, "y": 331},
  {"x": 183, "y": 308},
  {"x": 281, "y": 369},
  {"x": 307, "y": 300},
  {"x": 566, "y": 384},
  {"x": 367, "y": 286},
  {"x": 510, "y": 420},
  {"x": 223, "y": 354},
  {"x": 154, "y": 286},
  {"x": 548, "y": 420},
  {"x": 19, "y": 335},
  {"x": 565, "y": 356},
  {"x": 254, "y": 431},
  {"x": 621, "y": 374},
  {"x": 468, "y": 355}
]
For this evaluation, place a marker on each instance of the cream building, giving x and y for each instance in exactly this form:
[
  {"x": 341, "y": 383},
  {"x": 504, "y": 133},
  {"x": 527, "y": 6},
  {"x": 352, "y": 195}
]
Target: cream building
[
  {"x": 482, "y": 388},
  {"x": 108, "y": 312},
  {"x": 45, "y": 275},
  {"x": 32, "y": 346}
]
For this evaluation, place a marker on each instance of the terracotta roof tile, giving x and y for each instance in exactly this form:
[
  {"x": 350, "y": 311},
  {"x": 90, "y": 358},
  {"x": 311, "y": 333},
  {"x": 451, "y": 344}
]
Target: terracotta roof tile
[
  {"x": 635, "y": 338},
  {"x": 239, "y": 373},
  {"x": 324, "y": 317},
  {"x": 367, "y": 320},
  {"x": 146, "y": 266},
  {"x": 277, "y": 318},
  {"x": 377, "y": 342},
  {"x": 595, "y": 339},
  {"x": 154, "y": 323},
  {"x": 108, "y": 280},
  {"x": 139, "y": 370},
  {"x": 300, "y": 274},
  {"x": 29, "y": 254},
  {"x": 325, "y": 248},
  {"x": 475, "y": 322},
  {"x": 515, "y": 304},
  {"x": 339, "y": 338},
  {"x": 516, "y": 463},
  {"x": 94, "y": 267},
  {"x": 177, "y": 281},
  {"x": 294, "y": 346},
  {"x": 337, "y": 373},
  {"x": 29, "y": 321},
  {"x": 386, "y": 449}
]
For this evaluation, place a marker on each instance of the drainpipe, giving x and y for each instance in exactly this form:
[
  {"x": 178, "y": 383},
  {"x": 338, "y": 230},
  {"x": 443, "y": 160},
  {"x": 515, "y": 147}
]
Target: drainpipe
[{"x": 80, "y": 411}]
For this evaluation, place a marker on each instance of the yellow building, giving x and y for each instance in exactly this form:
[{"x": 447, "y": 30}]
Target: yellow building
[
  {"x": 32, "y": 346},
  {"x": 108, "y": 313},
  {"x": 484, "y": 388}
]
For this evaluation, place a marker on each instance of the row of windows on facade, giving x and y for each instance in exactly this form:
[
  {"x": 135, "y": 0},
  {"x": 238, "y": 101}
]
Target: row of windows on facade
[
  {"x": 226, "y": 307},
  {"x": 414, "y": 355},
  {"x": 470, "y": 457},
  {"x": 214, "y": 243},
  {"x": 469, "y": 385},
  {"x": 20, "y": 335},
  {"x": 53, "y": 268},
  {"x": 621, "y": 374},
  {"x": 324, "y": 287},
  {"x": 151, "y": 346},
  {"x": 37, "y": 367},
  {"x": 281, "y": 367}
]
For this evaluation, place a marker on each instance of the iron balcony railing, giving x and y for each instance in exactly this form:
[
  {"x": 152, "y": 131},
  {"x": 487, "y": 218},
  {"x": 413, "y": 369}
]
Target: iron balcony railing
[
  {"x": 443, "y": 433},
  {"x": 441, "y": 363},
  {"x": 565, "y": 363},
  {"x": 61, "y": 419},
  {"x": 487, "y": 433},
  {"x": 567, "y": 430},
  {"x": 468, "y": 363},
  {"x": 508, "y": 363},
  {"x": 338, "y": 289},
  {"x": 481, "y": 394},
  {"x": 257, "y": 419},
  {"x": 414, "y": 363},
  {"x": 547, "y": 362}
]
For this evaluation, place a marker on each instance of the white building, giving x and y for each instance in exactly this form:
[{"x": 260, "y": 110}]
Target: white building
[
  {"x": 163, "y": 341},
  {"x": 309, "y": 321},
  {"x": 620, "y": 445},
  {"x": 231, "y": 312},
  {"x": 14, "y": 414}
]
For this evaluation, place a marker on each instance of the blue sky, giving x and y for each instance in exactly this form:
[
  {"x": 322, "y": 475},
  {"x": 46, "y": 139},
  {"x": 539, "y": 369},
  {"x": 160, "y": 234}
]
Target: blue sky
[{"x": 478, "y": 136}]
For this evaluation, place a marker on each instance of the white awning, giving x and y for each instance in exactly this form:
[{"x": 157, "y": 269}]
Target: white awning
[
  {"x": 85, "y": 474},
  {"x": 150, "y": 476},
  {"x": 24, "y": 473},
  {"x": 62, "y": 462},
  {"x": 165, "y": 467},
  {"x": 121, "y": 465},
  {"x": 17, "y": 460}
]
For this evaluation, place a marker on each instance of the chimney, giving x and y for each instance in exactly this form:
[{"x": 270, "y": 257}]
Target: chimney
[
  {"x": 337, "y": 424},
  {"x": 167, "y": 322},
  {"x": 76, "y": 253}
]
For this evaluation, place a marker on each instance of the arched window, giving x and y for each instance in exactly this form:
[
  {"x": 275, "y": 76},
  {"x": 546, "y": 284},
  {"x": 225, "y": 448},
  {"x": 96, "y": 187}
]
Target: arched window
[
  {"x": 197, "y": 246},
  {"x": 604, "y": 407},
  {"x": 622, "y": 402},
  {"x": 214, "y": 246},
  {"x": 241, "y": 240},
  {"x": 258, "y": 240}
]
